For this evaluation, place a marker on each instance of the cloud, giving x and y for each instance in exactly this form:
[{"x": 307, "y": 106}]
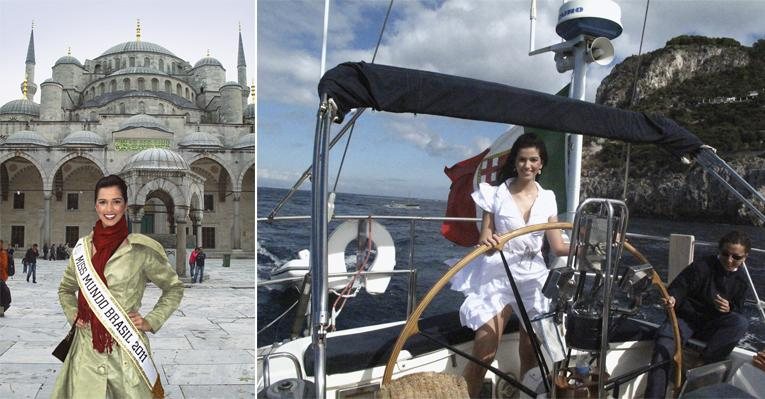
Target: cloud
[
  {"x": 422, "y": 137},
  {"x": 279, "y": 177}
]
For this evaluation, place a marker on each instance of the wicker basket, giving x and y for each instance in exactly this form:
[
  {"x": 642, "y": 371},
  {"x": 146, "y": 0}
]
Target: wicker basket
[{"x": 426, "y": 385}]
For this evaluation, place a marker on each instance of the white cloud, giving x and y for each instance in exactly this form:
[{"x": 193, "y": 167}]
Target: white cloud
[
  {"x": 278, "y": 176},
  {"x": 422, "y": 137}
]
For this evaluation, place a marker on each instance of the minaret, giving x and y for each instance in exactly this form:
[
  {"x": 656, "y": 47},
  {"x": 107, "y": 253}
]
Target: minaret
[
  {"x": 31, "y": 87},
  {"x": 241, "y": 66}
]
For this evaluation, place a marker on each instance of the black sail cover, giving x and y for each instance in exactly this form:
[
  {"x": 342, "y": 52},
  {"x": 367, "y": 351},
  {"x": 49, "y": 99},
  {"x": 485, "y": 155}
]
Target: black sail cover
[{"x": 392, "y": 89}]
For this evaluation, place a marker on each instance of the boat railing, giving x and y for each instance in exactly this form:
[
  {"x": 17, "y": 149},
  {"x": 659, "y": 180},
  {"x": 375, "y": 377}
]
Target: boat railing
[
  {"x": 266, "y": 366},
  {"x": 411, "y": 270}
]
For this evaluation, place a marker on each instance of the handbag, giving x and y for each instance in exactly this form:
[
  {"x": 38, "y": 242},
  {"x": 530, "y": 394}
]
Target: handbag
[{"x": 63, "y": 347}]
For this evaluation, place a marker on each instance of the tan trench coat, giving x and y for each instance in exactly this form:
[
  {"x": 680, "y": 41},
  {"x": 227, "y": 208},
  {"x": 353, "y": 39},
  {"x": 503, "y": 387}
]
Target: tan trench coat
[{"x": 89, "y": 374}]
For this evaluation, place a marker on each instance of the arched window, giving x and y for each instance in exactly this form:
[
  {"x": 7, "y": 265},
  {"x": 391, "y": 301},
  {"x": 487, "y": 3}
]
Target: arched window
[
  {"x": 161, "y": 64},
  {"x": 117, "y": 63},
  {"x": 122, "y": 108},
  {"x": 155, "y": 84},
  {"x": 178, "y": 89},
  {"x": 98, "y": 68},
  {"x": 113, "y": 85},
  {"x": 101, "y": 89},
  {"x": 187, "y": 93},
  {"x": 92, "y": 92},
  {"x": 126, "y": 84},
  {"x": 141, "y": 107},
  {"x": 168, "y": 87},
  {"x": 111, "y": 64},
  {"x": 131, "y": 61},
  {"x": 141, "y": 85},
  {"x": 161, "y": 108},
  {"x": 77, "y": 117},
  {"x": 173, "y": 69},
  {"x": 93, "y": 117},
  {"x": 146, "y": 62}
]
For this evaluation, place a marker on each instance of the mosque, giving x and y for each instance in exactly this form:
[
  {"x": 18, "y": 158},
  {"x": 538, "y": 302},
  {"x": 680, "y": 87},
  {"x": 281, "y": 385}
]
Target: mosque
[{"x": 181, "y": 136}]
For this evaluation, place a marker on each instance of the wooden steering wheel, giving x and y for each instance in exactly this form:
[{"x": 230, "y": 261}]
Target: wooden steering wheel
[{"x": 412, "y": 322}]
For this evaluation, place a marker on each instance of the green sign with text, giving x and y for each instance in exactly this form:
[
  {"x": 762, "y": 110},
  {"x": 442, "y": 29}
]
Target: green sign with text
[{"x": 140, "y": 144}]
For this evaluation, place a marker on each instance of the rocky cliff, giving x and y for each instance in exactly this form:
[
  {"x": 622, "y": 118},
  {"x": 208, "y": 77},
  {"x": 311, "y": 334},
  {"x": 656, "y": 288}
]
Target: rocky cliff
[{"x": 714, "y": 88}]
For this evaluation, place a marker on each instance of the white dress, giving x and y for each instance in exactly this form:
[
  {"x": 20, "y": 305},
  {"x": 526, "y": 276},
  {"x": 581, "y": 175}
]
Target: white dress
[{"x": 484, "y": 281}]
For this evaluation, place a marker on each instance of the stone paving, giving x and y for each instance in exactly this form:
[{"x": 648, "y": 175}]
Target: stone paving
[{"x": 205, "y": 350}]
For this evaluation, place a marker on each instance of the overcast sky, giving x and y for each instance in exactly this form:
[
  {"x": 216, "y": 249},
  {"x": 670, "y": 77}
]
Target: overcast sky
[
  {"x": 90, "y": 27},
  {"x": 404, "y": 155}
]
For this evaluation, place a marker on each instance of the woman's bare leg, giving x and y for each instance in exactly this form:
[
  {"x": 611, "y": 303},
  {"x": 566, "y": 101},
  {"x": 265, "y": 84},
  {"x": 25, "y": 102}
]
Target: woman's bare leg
[
  {"x": 485, "y": 346},
  {"x": 526, "y": 353}
]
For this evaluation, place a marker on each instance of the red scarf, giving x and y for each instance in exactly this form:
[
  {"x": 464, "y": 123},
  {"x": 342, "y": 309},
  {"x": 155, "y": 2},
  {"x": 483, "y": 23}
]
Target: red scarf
[{"x": 106, "y": 240}]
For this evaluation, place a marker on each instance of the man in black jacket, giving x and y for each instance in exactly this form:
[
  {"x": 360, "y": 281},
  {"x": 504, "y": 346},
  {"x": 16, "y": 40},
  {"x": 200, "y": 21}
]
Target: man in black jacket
[
  {"x": 31, "y": 260},
  {"x": 708, "y": 297}
]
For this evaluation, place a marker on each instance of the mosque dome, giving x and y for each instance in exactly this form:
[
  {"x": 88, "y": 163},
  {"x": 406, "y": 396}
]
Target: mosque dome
[
  {"x": 249, "y": 112},
  {"x": 136, "y": 46},
  {"x": 50, "y": 80},
  {"x": 245, "y": 142},
  {"x": 68, "y": 59},
  {"x": 22, "y": 106},
  {"x": 84, "y": 137},
  {"x": 144, "y": 121},
  {"x": 208, "y": 61},
  {"x": 231, "y": 83},
  {"x": 200, "y": 139},
  {"x": 25, "y": 138},
  {"x": 143, "y": 70},
  {"x": 156, "y": 159}
]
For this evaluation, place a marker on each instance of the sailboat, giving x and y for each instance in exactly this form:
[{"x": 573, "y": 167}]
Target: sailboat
[{"x": 368, "y": 361}]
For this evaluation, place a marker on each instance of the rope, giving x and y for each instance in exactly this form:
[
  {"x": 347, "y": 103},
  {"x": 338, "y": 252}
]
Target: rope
[
  {"x": 278, "y": 318},
  {"x": 342, "y": 160},
  {"x": 632, "y": 99},
  {"x": 360, "y": 266}
]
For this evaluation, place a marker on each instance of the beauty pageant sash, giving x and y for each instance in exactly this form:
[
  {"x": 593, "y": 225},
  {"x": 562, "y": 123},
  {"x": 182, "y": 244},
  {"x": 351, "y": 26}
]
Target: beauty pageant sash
[{"x": 113, "y": 317}]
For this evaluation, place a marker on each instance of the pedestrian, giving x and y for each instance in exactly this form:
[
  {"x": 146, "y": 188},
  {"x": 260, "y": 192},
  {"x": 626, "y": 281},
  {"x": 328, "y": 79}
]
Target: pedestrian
[
  {"x": 31, "y": 258},
  {"x": 192, "y": 262},
  {"x": 11, "y": 262},
  {"x": 52, "y": 255},
  {"x": 45, "y": 250},
  {"x": 97, "y": 365},
  {"x": 5, "y": 297},
  {"x": 199, "y": 266}
]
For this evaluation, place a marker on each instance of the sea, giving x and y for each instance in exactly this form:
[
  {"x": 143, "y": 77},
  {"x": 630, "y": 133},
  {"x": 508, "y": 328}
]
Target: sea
[{"x": 280, "y": 241}]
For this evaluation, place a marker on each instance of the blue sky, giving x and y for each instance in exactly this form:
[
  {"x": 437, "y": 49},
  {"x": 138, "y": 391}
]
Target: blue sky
[
  {"x": 90, "y": 27},
  {"x": 404, "y": 155}
]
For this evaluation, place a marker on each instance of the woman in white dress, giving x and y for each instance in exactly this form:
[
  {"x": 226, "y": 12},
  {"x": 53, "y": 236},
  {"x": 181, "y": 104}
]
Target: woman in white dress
[{"x": 516, "y": 201}]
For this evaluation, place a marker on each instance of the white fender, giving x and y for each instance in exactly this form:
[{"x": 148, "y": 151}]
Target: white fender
[{"x": 384, "y": 261}]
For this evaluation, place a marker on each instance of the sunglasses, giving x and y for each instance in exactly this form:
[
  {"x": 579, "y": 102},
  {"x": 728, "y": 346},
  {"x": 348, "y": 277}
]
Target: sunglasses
[{"x": 726, "y": 254}]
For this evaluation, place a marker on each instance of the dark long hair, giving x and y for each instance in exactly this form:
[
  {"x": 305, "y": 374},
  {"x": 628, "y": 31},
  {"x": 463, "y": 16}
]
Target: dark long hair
[
  {"x": 111, "y": 181},
  {"x": 526, "y": 140}
]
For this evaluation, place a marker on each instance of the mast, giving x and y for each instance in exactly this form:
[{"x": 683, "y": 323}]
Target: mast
[{"x": 587, "y": 26}]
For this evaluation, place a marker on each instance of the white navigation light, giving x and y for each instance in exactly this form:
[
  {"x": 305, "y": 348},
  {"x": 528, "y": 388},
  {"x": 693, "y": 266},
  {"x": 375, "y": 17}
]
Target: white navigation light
[{"x": 589, "y": 17}]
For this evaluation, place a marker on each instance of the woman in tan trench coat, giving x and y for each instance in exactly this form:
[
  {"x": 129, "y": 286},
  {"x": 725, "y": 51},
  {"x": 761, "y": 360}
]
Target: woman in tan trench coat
[{"x": 97, "y": 366}]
